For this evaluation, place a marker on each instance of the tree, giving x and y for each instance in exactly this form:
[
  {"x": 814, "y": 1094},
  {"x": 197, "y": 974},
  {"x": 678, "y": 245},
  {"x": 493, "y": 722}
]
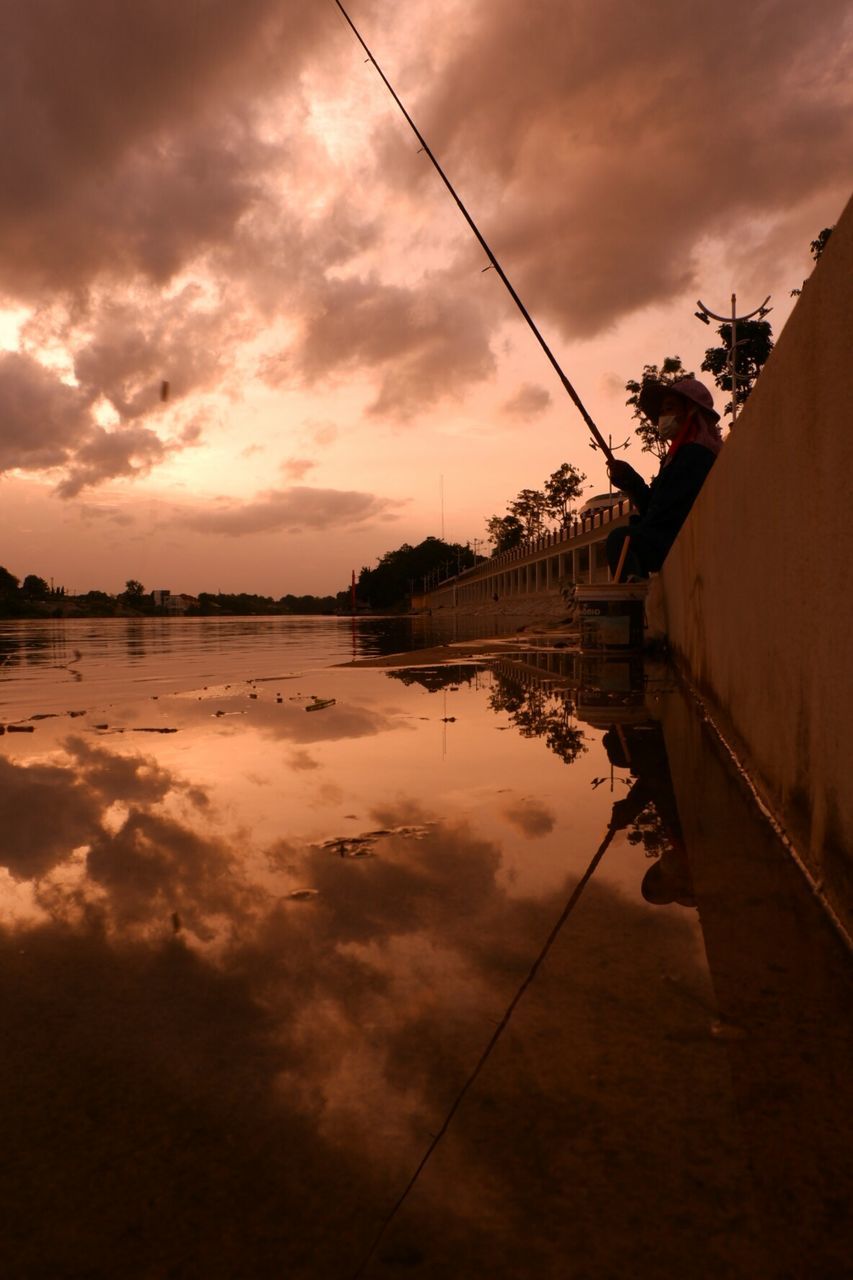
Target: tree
[
  {"x": 398, "y": 572},
  {"x": 133, "y": 589},
  {"x": 504, "y": 532},
  {"x": 671, "y": 370},
  {"x": 817, "y": 247},
  {"x": 530, "y": 508},
  {"x": 754, "y": 344},
  {"x": 8, "y": 583},
  {"x": 35, "y": 587},
  {"x": 562, "y": 488}
]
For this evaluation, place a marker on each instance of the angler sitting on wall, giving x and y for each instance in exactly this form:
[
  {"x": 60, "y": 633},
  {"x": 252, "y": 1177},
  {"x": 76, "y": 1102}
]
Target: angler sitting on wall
[{"x": 684, "y": 414}]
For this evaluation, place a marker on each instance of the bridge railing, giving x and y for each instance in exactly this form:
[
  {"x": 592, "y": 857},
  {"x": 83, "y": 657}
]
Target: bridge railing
[{"x": 532, "y": 546}]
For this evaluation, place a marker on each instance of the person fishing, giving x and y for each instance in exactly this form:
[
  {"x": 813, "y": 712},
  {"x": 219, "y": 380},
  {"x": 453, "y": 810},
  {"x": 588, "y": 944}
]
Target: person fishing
[{"x": 684, "y": 414}]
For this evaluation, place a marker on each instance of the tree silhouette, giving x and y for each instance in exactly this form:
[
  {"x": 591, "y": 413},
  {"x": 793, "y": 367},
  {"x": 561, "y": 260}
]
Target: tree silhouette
[
  {"x": 562, "y": 489},
  {"x": 670, "y": 370},
  {"x": 754, "y": 344}
]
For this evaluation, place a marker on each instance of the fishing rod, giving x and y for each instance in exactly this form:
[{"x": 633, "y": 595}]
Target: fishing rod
[{"x": 601, "y": 443}]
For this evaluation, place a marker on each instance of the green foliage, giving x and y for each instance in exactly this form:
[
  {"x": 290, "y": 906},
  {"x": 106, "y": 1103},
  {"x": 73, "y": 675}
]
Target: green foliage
[
  {"x": 8, "y": 583},
  {"x": 310, "y": 604},
  {"x": 35, "y": 587},
  {"x": 754, "y": 344},
  {"x": 562, "y": 489},
  {"x": 504, "y": 532},
  {"x": 671, "y": 370},
  {"x": 816, "y": 247},
  {"x": 530, "y": 507},
  {"x": 241, "y": 603},
  {"x": 406, "y": 569}
]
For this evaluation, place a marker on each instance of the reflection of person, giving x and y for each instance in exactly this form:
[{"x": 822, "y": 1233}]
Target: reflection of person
[
  {"x": 641, "y": 749},
  {"x": 684, "y": 414}
]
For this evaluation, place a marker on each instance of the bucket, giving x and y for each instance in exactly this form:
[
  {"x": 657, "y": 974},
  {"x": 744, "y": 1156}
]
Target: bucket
[{"x": 611, "y": 615}]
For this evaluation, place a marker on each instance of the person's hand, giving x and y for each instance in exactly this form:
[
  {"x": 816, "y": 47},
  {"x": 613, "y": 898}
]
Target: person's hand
[{"x": 622, "y": 474}]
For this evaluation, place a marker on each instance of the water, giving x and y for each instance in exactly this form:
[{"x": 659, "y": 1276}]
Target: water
[{"x": 253, "y": 955}]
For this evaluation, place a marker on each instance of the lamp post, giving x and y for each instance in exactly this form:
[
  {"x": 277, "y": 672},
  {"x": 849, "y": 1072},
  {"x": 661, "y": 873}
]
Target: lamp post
[{"x": 706, "y": 316}]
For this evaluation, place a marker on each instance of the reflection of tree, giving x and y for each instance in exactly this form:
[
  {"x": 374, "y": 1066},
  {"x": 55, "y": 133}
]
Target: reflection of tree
[
  {"x": 538, "y": 713},
  {"x": 648, "y": 829},
  {"x": 435, "y": 678}
]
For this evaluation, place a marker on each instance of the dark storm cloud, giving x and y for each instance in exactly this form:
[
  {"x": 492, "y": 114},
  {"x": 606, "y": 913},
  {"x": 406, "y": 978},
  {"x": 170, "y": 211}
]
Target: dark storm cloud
[
  {"x": 41, "y": 417},
  {"x": 424, "y": 341},
  {"x": 125, "y": 135},
  {"x": 621, "y": 135},
  {"x": 292, "y": 510},
  {"x": 45, "y": 813},
  {"x": 600, "y": 145}
]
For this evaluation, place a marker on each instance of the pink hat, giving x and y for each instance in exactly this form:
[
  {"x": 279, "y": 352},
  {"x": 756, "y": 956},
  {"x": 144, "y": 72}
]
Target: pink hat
[{"x": 653, "y": 392}]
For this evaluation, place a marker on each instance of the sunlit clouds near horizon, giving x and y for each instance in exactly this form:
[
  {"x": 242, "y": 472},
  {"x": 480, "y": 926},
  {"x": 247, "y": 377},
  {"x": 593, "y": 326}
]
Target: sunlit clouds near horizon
[{"x": 223, "y": 198}]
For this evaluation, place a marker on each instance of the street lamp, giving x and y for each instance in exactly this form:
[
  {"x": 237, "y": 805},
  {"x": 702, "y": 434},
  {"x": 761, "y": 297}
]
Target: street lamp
[{"x": 706, "y": 316}]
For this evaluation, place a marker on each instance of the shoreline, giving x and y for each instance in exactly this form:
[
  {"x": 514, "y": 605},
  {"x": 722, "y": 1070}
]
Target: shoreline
[{"x": 456, "y": 650}]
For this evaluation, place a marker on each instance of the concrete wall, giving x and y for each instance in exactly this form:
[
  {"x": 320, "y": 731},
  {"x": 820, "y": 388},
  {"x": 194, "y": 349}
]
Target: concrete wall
[{"x": 757, "y": 594}]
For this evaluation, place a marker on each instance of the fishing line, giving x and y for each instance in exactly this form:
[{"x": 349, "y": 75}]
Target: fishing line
[
  {"x": 486, "y": 1054},
  {"x": 598, "y": 437}
]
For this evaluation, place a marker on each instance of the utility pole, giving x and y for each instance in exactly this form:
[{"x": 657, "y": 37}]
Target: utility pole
[{"x": 706, "y": 316}]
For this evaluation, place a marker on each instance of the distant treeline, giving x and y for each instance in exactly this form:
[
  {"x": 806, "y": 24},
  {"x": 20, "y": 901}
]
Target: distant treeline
[
  {"x": 35, "y": 598},
  {"x": 387, "y": 588}
]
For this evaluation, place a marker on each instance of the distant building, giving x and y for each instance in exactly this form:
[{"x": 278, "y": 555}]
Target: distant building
[
  {"x": 599, "y": 502},
  {"x": 161, "y": 598}
]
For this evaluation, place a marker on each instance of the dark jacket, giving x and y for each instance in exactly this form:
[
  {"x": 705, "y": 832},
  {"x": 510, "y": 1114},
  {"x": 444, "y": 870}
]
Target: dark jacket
[{"x": 665, "y": 503}]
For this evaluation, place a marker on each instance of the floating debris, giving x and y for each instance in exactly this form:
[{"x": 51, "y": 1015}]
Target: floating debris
[
  {"x": 176, "y": 922},
  {"x": 20, "y": 728},
  {"x": 45, "y": 715},
  {"x": 302, "y": 895},
  {"x": 157, "y": 729},
  {"x": 361, "y": 846},
  {"x": 75, "y": 714},
  {"x": 320, "y": 703},
  {"x": 253, "y": 695},
  {"x": 349, "y": 847}
]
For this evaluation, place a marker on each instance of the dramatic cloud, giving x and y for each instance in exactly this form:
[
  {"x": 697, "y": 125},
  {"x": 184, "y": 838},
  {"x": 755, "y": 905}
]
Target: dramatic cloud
[
  {"x": 291, "y": 511},
  {"x": 620, "y": 136},
  {"x": 45, "y": 811},
  {"x": 41, "y": 417},
  {"x": 215, "y": 196},
  {"x": 138, "y": 148},
  {"x": 424, "y": 342}
]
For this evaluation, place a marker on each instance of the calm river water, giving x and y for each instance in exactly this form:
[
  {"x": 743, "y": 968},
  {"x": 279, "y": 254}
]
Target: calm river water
[{"x": 258, "y": 959}]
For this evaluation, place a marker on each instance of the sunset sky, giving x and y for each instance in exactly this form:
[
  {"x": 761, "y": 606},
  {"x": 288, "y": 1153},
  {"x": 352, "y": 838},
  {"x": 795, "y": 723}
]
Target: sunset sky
[{"x": 223, "y": 195}]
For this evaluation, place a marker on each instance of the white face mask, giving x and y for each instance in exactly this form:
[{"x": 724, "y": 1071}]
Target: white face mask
[{"x": 668, "y": 425}]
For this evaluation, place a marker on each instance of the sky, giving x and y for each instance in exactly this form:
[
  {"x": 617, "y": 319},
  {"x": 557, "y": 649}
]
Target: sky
[{"x": 225, "y": 198}]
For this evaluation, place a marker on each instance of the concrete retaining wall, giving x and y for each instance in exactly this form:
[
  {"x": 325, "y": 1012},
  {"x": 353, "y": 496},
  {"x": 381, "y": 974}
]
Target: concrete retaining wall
[{"x": 756, "y": 596}]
